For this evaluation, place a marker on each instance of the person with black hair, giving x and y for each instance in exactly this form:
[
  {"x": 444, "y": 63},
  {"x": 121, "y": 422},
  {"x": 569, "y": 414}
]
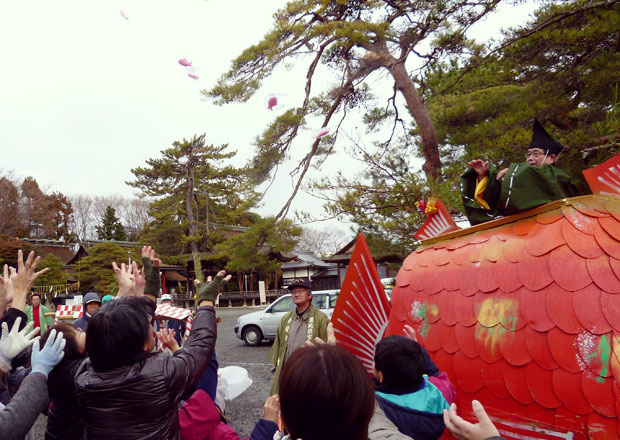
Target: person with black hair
[
  {"x": 488, "y": 193},
  {"x": 325, "y": 393},
  {"x": 409, "y": 388},
  {"x": 124, "y": 391},
  {"x": 64, "y": 421}
]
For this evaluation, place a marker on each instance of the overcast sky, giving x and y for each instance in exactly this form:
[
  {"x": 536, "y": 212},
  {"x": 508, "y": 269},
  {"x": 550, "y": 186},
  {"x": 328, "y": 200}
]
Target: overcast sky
[{"x": 86, "y": 95}]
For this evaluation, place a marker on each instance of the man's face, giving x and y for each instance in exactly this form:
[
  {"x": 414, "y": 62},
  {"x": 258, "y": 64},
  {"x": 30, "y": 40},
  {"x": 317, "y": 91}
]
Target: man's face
[
  {"x": 301, "y": 297},
  {"x": 36, "y": 300},
  {"x": 167, "y": 301},
  {"x": 92, "y": 307},
  {"x": 536, "y": 157}
]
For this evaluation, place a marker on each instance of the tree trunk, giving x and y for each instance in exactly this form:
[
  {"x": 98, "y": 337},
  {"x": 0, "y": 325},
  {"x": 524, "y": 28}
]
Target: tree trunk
[
  {"x": 430, "y": 147},
  {"x": 190, "y": 219}
]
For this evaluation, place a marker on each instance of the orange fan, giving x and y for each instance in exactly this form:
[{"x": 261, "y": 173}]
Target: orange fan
[
  {"x": 362, "y": 311},
  {"x": 439, "y": 220},
  {"x": 604, "y": 179}
]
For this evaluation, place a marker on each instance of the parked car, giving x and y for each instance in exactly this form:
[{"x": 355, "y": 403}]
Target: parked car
[{"x": 254, "y": 327}]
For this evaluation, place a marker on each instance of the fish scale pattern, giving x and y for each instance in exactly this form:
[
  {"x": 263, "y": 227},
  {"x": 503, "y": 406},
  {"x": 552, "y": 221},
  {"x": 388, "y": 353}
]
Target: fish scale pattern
[{"x": 525, "y": 316}]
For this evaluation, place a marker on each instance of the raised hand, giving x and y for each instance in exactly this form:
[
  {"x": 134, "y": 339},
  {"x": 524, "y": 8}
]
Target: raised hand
[
  {"x": 13, "y": 342},
  {"x": 464, "y": 430},
  {"x": 481, "y": 167},
  {"x": 208, "y": 291},
  {"x": 166, "y": 339},
  {"x": 271, "y": 409},
  {"x": 410, "y": 333},
  {"x": 43, "y": 361},
  {"x": 139, "y": 279},
  {"x": 23, "y": 279},
  {"x": 125, "y": 279},
  {"x": 501, "y": 174},
  {"x": 6, "y": 289},
  {"x": 151, "y": 271}
]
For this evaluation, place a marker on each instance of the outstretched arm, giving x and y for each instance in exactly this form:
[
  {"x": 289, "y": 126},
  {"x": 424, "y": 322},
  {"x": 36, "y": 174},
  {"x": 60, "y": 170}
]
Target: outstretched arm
[
  {"x": 23, "y": 279},
  {"x": 464, "y": 430}
]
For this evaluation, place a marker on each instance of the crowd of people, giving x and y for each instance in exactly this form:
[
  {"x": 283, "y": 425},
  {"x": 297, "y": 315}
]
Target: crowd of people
[{"x": 103, "y": 377}]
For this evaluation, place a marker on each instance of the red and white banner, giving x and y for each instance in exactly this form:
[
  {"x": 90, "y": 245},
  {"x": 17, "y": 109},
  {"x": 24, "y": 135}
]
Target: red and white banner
[
  {"x": 165, "y": 311},
  {"x": 68, "y": 312}
]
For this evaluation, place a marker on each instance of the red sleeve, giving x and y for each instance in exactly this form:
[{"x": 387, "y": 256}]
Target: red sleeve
[
  {"x": 199, "y": 419},
  {"x": 445, "y": 386}
]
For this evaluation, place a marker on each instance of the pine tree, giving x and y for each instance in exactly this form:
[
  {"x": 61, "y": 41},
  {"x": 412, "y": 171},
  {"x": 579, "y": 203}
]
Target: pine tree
[
  {"x": 195, "y": 194},
  {"x": 111, "y": 227}
]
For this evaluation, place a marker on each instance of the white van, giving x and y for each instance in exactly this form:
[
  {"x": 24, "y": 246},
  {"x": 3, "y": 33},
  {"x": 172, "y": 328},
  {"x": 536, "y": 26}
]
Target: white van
[{"x": 252, "y": 328}]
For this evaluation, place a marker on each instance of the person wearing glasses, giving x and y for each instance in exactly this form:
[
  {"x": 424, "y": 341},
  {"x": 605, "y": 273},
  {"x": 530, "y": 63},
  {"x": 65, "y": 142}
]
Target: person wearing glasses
[
  {"x": 488, "y": 194},
  {"x": 303, "y": 323}
]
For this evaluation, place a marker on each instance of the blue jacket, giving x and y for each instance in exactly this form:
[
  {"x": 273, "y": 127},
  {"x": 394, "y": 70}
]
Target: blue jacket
[
  {"x": 419, "y": 414},
  {"x": 82, "y": 323}
]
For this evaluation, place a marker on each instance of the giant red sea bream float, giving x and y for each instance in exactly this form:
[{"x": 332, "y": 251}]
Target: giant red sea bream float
[{"x": 523, "y": 313}]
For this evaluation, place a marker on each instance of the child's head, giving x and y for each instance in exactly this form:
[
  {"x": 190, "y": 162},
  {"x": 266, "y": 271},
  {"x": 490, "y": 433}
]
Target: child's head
[{"x": 399, "y": 363}]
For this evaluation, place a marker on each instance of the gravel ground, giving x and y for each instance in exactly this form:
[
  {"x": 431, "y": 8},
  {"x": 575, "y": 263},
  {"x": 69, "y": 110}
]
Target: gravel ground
[{"x": 247, "y": 409}]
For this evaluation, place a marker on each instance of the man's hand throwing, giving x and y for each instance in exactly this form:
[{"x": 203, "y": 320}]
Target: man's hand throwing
[{"x": 481, "y": 167}]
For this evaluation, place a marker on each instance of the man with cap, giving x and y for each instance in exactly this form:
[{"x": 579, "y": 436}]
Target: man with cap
[
  {"x": 91, "y": 305},
  {"x": 303, "y": 323},
  {"x": 488, "y": 194}
]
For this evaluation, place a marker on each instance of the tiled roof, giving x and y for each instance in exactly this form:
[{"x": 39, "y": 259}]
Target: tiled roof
[{"x": 305, "y": 259}]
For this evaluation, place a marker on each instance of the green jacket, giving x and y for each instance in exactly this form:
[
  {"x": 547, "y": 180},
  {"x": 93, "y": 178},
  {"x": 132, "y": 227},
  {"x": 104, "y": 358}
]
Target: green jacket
[
  {"x": 522, "y": 188},
  {"x": 317, "y": 327},
  {"x": 46, "y": 321}
]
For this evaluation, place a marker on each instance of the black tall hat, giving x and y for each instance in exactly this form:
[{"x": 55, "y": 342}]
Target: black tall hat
[{"x": 541, "y": 139}]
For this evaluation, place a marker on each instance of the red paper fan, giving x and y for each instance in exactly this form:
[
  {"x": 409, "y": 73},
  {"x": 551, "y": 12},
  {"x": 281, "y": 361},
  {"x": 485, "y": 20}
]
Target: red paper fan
[
  {"x": 362, "y": 311},
  {"x": 437, "y": 223},
  {"x": 604, "y": 179}
]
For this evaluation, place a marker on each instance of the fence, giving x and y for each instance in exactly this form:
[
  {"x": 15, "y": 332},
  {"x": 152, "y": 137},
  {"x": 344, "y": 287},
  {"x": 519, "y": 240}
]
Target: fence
[{"x": 58, "y": 288}]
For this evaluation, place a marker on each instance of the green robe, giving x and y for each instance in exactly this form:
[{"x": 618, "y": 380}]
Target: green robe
[
  {"x": 45, "y": 321},
  {"x": 317, "y": 327},
  {"x": 522, "y": 188}
]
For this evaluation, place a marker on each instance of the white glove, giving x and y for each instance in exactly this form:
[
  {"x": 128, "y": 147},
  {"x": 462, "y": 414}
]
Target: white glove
[{"x": 12, "y": 343}]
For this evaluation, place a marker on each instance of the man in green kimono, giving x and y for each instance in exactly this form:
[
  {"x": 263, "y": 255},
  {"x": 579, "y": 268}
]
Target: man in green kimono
[
  {"x": 303, "y": 323},
  {"x": 488, "y": 194},
  {"x": 36, "y": 313}
]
